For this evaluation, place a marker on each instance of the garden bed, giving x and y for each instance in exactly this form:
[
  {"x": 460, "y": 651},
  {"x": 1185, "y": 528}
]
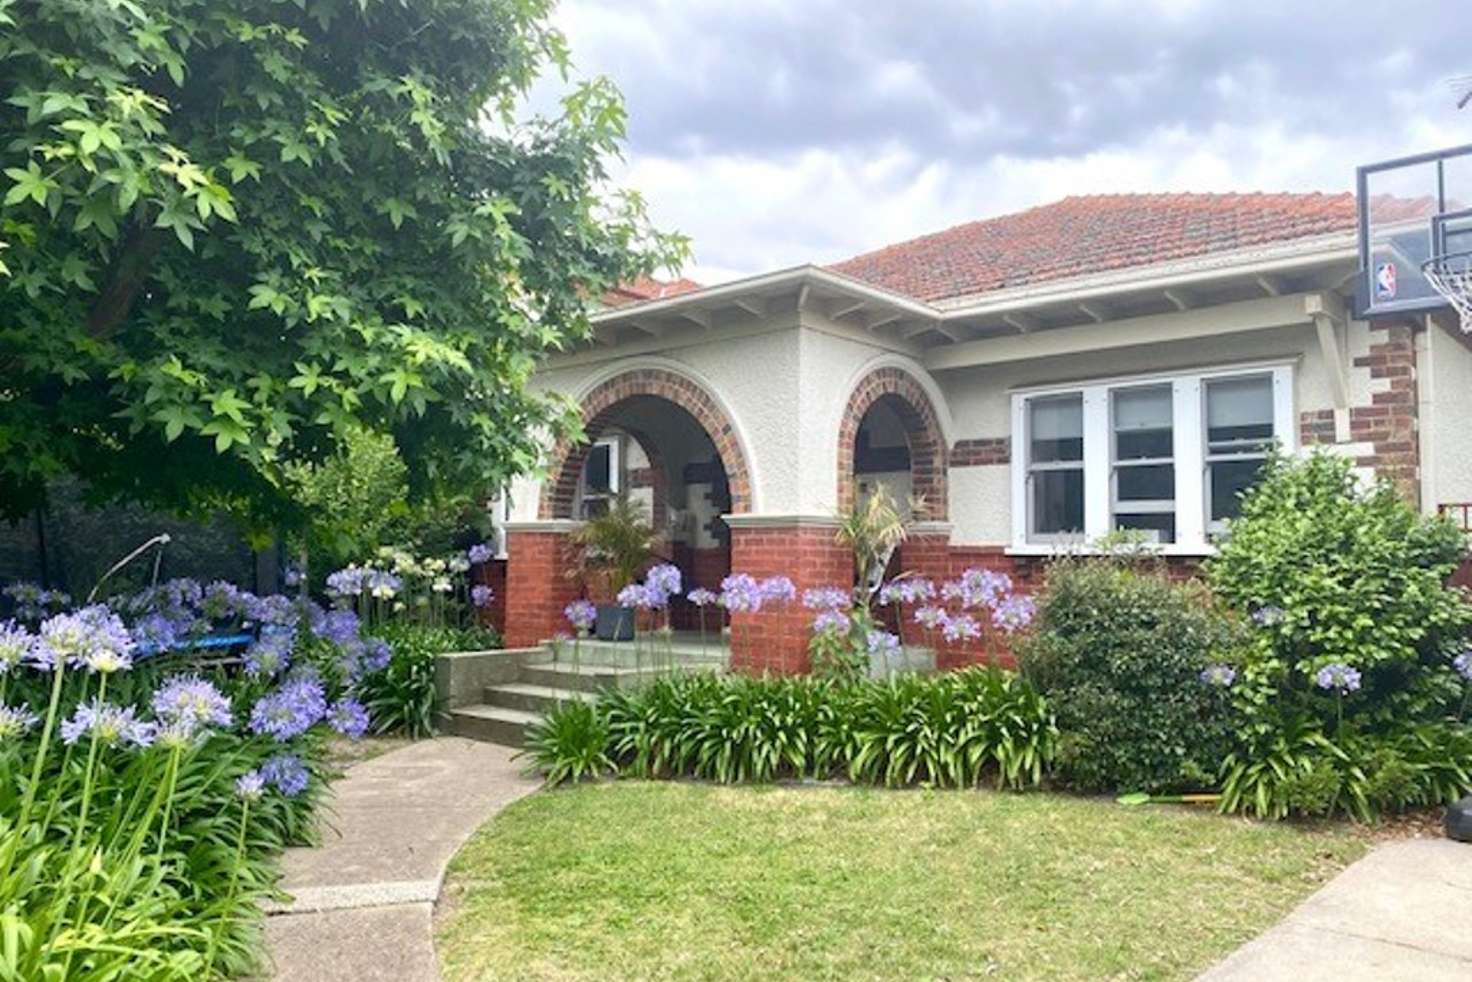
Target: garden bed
[{"x": 674, "y": 880}]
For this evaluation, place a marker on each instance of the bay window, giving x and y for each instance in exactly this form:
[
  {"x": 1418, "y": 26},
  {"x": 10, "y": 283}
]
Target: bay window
[{"x": 1165, "y": 457}]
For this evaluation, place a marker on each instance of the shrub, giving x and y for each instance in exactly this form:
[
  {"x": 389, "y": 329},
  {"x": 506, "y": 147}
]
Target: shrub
[
  {"x": 401, "y": 697},
  {"x": 1120, "y": 652},
  {"x": 955, "y": 730},
  {"x": 1349, "y": 689},
  {"x": 570, "y": 743}
]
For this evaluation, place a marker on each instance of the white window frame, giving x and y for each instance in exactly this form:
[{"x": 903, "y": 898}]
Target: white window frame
[
  {"x": 1189, "y": 452},
  {"x": 1030, "y": 469},
  {"x": 500, "y": 516},
  {"x": 615, "y": 445}
]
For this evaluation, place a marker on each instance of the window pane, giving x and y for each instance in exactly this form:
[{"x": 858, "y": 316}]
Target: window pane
[
  {"x": 1058, "y": 502},
  {"x": 1156, "y": 482},
  {"x": 1229, "y": 478},
  {"x": 1239, "y": 413},
  {"x": 1157, "y": 527},
  {"x": 1142, "y": 423},
  {"x": 1056, "y": 429},
  {"x": 598, "y": 470}
]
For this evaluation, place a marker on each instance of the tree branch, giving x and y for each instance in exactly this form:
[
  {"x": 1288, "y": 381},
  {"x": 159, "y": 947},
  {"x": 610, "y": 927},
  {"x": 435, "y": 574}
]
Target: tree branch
[{"x": 129, "y": 273}]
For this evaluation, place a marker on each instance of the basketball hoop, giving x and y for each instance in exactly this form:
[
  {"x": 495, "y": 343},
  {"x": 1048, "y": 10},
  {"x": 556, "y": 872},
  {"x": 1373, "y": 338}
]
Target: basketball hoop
[{"x": 1451, "y": 276}]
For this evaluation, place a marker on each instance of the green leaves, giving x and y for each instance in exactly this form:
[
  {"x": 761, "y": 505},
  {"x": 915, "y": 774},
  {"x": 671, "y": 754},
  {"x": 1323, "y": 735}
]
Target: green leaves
[{"x": 29, "y": 183}]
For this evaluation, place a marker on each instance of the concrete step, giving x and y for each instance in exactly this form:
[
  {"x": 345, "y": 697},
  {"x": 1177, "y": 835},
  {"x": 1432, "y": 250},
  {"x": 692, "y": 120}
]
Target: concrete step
[
  {"x": 492, "y": 724},
  {"x": 591, "y": 678},
  {"x": 532, "y": 698}
]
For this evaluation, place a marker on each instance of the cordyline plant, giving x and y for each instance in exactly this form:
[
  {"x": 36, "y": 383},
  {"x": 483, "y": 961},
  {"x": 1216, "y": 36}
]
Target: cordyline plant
[{"x": 235, "y": 232}]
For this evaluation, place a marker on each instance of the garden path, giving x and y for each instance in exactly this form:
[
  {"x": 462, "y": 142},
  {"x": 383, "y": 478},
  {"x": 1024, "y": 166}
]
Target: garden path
[
  {"x": 1402, "y": 912},
  {"x": 362, "y": 902}
]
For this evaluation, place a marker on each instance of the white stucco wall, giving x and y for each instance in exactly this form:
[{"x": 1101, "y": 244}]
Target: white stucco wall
[{"x": 1445, "y": 379}]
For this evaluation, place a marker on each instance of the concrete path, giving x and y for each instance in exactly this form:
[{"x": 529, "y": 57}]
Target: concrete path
[
  {"x": 362, "y": 902},
  {"x": 1402, "y": 912}
]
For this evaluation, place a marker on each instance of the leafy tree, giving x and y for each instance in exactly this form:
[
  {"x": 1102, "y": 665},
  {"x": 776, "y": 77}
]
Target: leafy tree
[{"x": 236, "y": 231}]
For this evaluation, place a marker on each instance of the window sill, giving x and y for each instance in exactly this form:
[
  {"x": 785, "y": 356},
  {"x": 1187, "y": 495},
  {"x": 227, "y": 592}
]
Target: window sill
[{"x": 1180, "y": 549}]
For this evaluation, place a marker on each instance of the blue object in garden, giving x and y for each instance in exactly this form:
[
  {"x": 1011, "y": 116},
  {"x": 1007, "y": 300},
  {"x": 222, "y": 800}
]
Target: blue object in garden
[{"x": 206, "y": 642}]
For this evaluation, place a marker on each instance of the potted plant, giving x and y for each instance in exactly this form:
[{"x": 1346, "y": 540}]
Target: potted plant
[{"x": 615, "y": 545}]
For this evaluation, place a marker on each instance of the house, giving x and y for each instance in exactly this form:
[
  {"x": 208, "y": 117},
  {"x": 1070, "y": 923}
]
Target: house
[{"x": 1039, "y": 379}]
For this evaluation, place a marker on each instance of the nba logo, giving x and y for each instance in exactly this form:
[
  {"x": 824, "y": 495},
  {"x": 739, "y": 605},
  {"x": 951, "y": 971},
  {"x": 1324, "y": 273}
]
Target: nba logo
[{"x": 1385, "y": 281}]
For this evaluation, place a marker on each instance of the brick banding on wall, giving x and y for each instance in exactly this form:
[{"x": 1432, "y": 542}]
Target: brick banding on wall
[
  {"x": 1389, "y": 424},
  {"x": 600, "y": 409},
  {"x": 929, "y": 456},
  {"x": 982, "y": 453}
]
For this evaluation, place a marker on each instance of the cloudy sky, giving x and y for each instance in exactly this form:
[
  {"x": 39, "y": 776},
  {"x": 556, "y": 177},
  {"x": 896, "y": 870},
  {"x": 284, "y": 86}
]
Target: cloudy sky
[{"x": 776, "y": 132}]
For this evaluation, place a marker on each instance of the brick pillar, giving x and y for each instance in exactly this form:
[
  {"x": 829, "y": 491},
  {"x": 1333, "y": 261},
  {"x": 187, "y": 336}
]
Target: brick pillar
[
  {"x": 537, "y": 585},
  {"x": 776, "y": 638},
  {"x": 493, "y": 575}
]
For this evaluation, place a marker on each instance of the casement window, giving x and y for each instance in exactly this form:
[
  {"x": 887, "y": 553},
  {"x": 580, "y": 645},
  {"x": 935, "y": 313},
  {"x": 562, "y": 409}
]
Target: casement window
[
  {"x": 1164, "y": 456},
  {"x": 601, "y": 479}
]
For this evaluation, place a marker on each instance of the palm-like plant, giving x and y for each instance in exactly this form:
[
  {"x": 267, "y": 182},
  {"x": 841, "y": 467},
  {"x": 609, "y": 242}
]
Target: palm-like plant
[
  {"x": 874, "y": 528},
  {"x": 617, "y": 544}
]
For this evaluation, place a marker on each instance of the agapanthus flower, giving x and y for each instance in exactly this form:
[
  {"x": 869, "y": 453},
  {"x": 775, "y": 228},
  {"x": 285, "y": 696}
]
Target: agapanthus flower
[
  {"x": 1014, "y": 613},
  {"x": 155, "y": 632},
  {"x": 286, "y": 773},
  {"x": 441, "y": 584},
  {"x": 346, "y": 582},
  {"x": 191, "y": 700},
  {"x": 290, "y": 710},
  {"x": 380, "y": 584},
  {"x": 377, "y": 653},
  {"x": 111, "y": 725},
  {"x": 93, "y": 638},
  {"x": 275, "y": 610},
  {"x": 293, "y": 576},
  {"x": 826, "y": 598},
  {"x": 1338, "y": 676},
  {"x": 907, "y": 590},
  {"x": 348, "y": 717},
  {"x": 831, "y": 622},
  {"x": 481, "y": 552},
  {"x": 250, "y": 785},
  {"x": 984, "y": 587},
  {"x": 15, "y": 645},
  {"x": 270, "y": 654},
  {"x": 777, "y": 589},
  {"x": 16, "y": 721},
  {"x": 883, "y": 644},
  {"x": 222, "y": 601},
  {"x": 1463, "y": 664},
  {"x": 338, "y": 626},
  {"x": 701, "y": 597},
  {"x": 931, "y": 617},
  {"x": 740, "y": 593},
  {"x": 633, "y": 595},
  {"x": 581, "y": 614},
  {"x": 665, "y": 578},
  {"x": 962, "y": 627},
  {"x": 1219, "y": 674},
  {"x": 482, "y": 595},
  {"x": 457, "y": 564},
  {"x": 1268, "y": 616}
]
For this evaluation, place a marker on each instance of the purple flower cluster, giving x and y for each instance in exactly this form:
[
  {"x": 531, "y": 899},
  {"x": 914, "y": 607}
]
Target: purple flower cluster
[
  {"x": 339, "y": 626},
  {"x": 270, "y": 654},
  {"x": 1268, "y": 616},
  {"x": 290, "y": 710},
  {"x": 250, "y": 785},
  {"x": 1014, "y": 613},
  {"x": 827, "y": 598},
  {"x": 907, "y": 590},
  {"x": 882, "y": 644},
  {"x": 741, "y": 593},
  {"x": 1463, "y": 664},
  {"x": 110, "y": 725},
  {"x": 222, "y": 601},
  {"x": 15, "y": 645},
  {"x": 777, "y": 589},
  {"x": 192, "y": 703},
  {"x": 701, "y": 597},
  {"x": 93, "y": 638},
  {"x": 1219, "y": 674},
  {"x": 33, "y": 603},
  {"x": 275, "y": 610},
  {"x": 482, "y": 595},
  {"x": 961, "y": 627},
  {"x": 581, "y": 614},
  {"x": 154, "y": 633},
  {"x": 978, "y": 588},
  {"x": 831, "y": 622},
  {"x": 286, "y": 773},
  {"x": 481, "y": 552},
  {"x": 16, "y": 721},
  {"x": 931, "y": 617},
  {"x": 376, "y": 655},
  {"x": 348, "y": 717},
  {"x": 665, "y": 578},
  {"x": 1339, "y": 677}
]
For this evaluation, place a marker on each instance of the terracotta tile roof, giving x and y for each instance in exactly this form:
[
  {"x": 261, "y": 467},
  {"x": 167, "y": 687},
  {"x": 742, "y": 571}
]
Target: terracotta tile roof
[
  {"x": 1091, "y": 234},
  {"x": 646, "y": 288}
]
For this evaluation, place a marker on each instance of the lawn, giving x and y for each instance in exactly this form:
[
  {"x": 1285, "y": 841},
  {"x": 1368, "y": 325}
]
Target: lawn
[{"x": 682, "y": 881}]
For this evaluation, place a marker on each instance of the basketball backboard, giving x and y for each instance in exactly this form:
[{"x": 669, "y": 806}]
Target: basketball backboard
[{"x": 1410, "y": 209}]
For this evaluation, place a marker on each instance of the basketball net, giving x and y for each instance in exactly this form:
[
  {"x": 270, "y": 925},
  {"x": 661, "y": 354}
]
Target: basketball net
[{"x": 1451, "y": 276}]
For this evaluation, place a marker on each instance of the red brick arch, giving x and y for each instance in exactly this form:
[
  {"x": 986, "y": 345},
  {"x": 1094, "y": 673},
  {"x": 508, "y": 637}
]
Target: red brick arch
[
  {"x": 928, "y": 452},
  {"x": 600, "y": 410}
]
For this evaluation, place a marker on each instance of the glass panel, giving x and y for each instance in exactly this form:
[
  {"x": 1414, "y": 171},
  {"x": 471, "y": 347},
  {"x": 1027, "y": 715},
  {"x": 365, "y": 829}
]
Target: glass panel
[
  {"x": 598, "y": 471},
  {"x": 1058, "y": 502},
  {"x": 1156, "y": 482},
  {"x": 1228, "y": 479},
  {"x": 1239, "y": 414},
  {"x": 1159, "y": 527},
  {"x": 1056, "y": 428},
  {"x": 1142, "y": 423}
]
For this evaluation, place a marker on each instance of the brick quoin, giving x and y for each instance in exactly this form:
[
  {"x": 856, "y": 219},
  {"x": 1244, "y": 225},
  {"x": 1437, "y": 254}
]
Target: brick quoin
[
  {"x": 929, "y": 456},
  {"x": 982, "y": 453},
  {"x": 775, "y": 639}
]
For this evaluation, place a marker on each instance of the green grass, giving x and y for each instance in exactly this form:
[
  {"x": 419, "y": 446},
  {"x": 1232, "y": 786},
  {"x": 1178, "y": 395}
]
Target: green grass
[{"x": 681, "y": 881}]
